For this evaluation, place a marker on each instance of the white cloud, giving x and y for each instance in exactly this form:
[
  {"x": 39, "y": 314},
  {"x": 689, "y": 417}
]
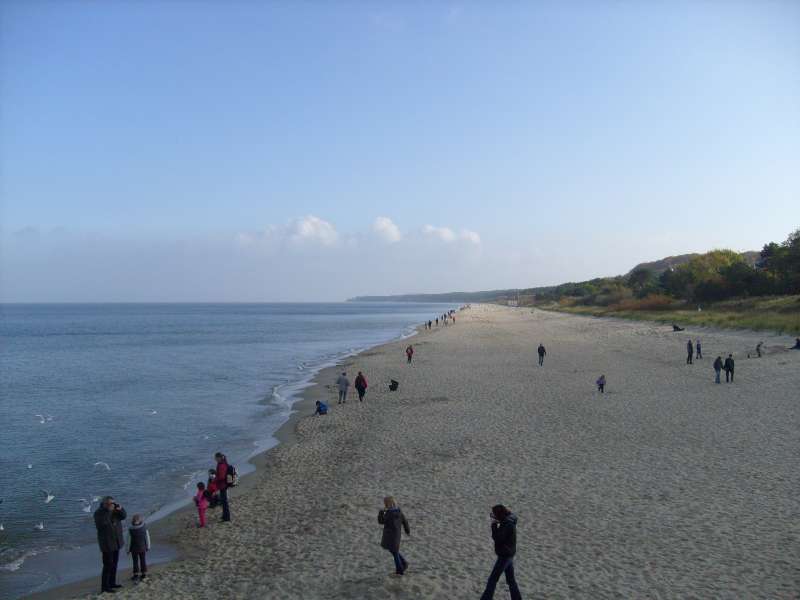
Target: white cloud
[
  {"x": 443, "y": 233},
  {"x": 387, "y": 230},
  {"x": 446, "y": 234},
  {"x": 314, "y": 229},
  {"x": 470, "y": 236}
]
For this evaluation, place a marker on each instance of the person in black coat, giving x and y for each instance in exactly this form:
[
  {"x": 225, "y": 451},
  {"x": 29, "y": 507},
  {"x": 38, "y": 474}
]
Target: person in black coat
[
  {"x": 542, "y": 353},
  {"x": 108, "y": 521},
  {"x": 504, "y": 534},
  {"x": 690, "y": 352},
  {"x": 729, "y": 365},
  {"x": 392, "y": 519}
]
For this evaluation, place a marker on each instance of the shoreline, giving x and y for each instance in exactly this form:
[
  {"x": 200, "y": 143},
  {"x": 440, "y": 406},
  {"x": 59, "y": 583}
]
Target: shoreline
[{"x": 167, "y": 530}]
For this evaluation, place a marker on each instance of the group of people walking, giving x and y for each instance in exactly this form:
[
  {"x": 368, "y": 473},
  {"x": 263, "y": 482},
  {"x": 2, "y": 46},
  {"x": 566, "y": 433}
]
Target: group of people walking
[
  {"x": 503, "y": 527},
  {"x": 343, "y": 385},
  {"x": 109, "y": 516},
  {"x": 695, "y": 351}
]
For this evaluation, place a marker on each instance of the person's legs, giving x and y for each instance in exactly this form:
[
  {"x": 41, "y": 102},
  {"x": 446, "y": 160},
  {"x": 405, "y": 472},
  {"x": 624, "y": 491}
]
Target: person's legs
[
  {"x": 499, "y": 566},
  {"x": 731, "y": 375},
  {"x": 112, "y": 577},
  {"x": 135, "y": 559},
  {"x": 105, "y": 578},
  {"x": 202, "y": 513},
  {"x": 512, "y": 581},
  {"x": 398, "y": 563},
  {"x": 143, "y": 560},
  {"x": 226, "y": 510},
  {"x": 717, "y": 376},
  {"x": 727, "y": 376}
]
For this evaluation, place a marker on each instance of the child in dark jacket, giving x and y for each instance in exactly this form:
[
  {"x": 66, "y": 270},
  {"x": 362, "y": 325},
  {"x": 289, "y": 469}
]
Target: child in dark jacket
[
  {"x": 138, "y": 547},
  {"x": 601, "y": 384}
]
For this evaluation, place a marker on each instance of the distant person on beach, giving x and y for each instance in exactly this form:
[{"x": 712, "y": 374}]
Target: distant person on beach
[
  {"x": 718, "y": 367},
  {"x": 690, "y": 352},
  {"x": 437, "y": 321},
  {"x": 361, "y": 386},
  {"x": 202, "y": 502},
  {"x": 796, "y": 344},
  {"x": 409, "y": 353},
  {"x": 222, "y": 484},
  {"x": 504, "y": 534},
  {"x": 542, "y": 353},
  {"x": 212, "y": 489},
  {"x": 139, "y": 546},
  {"x": 392, "y": 519},
  {"x": 698, "y": 350},
  {"x": 430, "y": 325},
  {"x": 601, "y": 384},
  {"x": 343, "y": 383},
  {"x": 758, "y": 349},
  {"x": 676, "y": 328},
  {"x": 322, "y": 408},
  {"x": 729, "y": 365},
  {"x": 108, "y": 522}
]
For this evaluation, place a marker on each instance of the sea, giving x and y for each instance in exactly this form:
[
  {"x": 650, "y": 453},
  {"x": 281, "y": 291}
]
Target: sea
[{"x": 132, "y": 400}]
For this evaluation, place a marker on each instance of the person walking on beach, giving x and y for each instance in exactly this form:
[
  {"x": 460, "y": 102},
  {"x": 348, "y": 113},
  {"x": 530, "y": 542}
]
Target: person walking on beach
[
  {"x": 361, "y": 386},
  {"x": 717, "y": 368},
  {"x": 758, "y": 349},
  {"x": 222, "y": 484},
  {"x": 392, "y": 519},
  {"x": 343, "y": 383},
  {"x": 601, "y": 384},
  {"x": 201, "y": 501},
  {"x": 139, "y": 546},
  {"x": 409, "y": 353},
  {"x": 542, "y": 353},
  {"x": 108, "y": 522},
  {"x": 504, "y": 534},
  {"x": 690, "y": 352},
  {"x": 729, "y": 365},
  {"x": 698, "y": 350}
]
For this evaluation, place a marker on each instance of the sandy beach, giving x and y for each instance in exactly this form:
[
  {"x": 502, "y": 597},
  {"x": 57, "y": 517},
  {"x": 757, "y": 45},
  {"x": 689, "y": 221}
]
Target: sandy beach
[{"x": 666, "y": 486}]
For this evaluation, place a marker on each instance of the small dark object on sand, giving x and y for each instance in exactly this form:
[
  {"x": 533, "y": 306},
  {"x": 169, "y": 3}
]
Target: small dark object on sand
[
  {"x": 676, "y": 328},
  {"x": 393, "y": 385}
]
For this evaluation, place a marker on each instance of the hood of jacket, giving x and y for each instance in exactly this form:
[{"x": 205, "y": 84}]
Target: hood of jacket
[{"x": 139, "y": 526}]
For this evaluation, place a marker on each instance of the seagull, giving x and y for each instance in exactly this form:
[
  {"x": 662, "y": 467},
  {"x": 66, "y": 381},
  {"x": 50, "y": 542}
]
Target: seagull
[
  {"x": 87, "y": 506},
  {"x": 41, "y": 419},
  {"x": 48, "y": 497},
  {"x": 2, "y": 528},
  {"x": 39, "y": 527},
  {"x": 153, "y": 412},
  {"x": 30, "y": 466},
  {"x": 95, "y": 498},
  {"x": 102, "y": 464}
]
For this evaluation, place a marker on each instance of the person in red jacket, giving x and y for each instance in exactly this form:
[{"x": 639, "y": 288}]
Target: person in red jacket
[
  {"x": 211, "y": 486},
  {"x": 222, "y": 484},
  {"x": 361, "y": 386}
]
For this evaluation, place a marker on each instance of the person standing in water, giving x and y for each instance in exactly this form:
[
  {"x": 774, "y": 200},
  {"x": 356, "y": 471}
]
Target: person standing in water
[
  {"x": 690, "y": 352},
  {"x": 504, "y": 534},
  {"x": 717, "y": 368},
  {"x": 343, "y": 383},
  {"x": 361, "y": 386},
  {"x": 393, "y": 519}
]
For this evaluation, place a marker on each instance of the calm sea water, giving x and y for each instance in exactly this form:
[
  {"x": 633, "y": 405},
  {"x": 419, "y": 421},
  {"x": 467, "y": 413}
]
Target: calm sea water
[{"x": 153, "y": 391}]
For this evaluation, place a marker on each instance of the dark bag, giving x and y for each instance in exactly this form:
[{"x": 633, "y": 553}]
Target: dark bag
[
  {"x": 231, "y": 477},
  {"x": 394, "y": 385}
]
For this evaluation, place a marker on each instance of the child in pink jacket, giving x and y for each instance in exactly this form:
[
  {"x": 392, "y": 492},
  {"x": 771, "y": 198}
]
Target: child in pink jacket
[{"x": 201, "y": 501}]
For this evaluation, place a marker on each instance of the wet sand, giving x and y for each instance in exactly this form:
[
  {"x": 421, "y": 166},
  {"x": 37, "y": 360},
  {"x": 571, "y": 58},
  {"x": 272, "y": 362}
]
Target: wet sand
[{"x": 666, "y": 486}]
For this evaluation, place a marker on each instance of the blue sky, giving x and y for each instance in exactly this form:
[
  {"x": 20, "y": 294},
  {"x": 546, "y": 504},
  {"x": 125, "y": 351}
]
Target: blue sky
[{"x": 207, "y": 151}]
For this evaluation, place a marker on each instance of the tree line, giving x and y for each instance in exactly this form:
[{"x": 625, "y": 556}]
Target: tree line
[{"x": 710, "y": 277}]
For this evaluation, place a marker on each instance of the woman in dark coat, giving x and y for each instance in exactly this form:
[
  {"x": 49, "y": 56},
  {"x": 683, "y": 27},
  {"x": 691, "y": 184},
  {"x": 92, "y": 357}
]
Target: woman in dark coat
[
  {"x": 361, "y": 386},
  {"x": 392, "y": 519}
]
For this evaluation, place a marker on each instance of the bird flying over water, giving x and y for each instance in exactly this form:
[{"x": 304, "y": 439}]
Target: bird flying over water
[
  {"x": 39, "y": 527},
  {"x": 48, "y": 497},
  {"x": 41, "y": 419},
  {"x": 102, "y": 464}
]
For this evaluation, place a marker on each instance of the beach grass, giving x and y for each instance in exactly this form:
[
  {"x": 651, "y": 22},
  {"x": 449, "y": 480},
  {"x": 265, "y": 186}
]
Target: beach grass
[{"x": 780, "y": 314}]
